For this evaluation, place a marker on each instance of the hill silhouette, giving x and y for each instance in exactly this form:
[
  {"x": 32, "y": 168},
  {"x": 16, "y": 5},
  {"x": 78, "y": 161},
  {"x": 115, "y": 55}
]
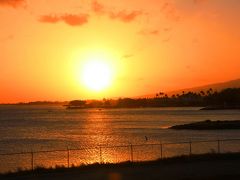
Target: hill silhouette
[
  {"x": 215, "y": 87},
  {"x": 226, "y": 99}
]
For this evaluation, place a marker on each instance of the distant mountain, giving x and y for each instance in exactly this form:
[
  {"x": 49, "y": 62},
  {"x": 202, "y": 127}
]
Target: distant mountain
[{"x": 215, "y": 87}]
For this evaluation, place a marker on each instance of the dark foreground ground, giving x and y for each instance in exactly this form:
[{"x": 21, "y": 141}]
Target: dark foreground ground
[{"x": 208, "y": 166}]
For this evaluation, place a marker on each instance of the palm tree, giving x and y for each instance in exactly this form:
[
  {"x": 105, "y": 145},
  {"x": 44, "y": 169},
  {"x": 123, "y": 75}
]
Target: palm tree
[
  {"x": 174, "y": 96},
  {"x": 209, "y": 91},
  {"x": 203, "y": 93}
]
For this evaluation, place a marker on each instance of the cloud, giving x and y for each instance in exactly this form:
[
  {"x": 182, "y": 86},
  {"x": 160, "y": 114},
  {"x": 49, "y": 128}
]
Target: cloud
[
  {"x": 70, "y": 19},
  {"x": 13, "y": 3},
  {"x": 167, "y": 39},
  {"x": 49, "y": 19},
  {"x": 167, "y": 29},
  {"x": 170, "y": 11},
  {"x": 122, "y": 15},
  {"x": 127, "y": 56},
  {"x": 75, "y": 20},
  {"x": 98, "y": 8},
  {"x": 7, "y": 38},
  {"x": 149, "y": 32},
  {"x": 195, "y": 41},
  {"x": 199, "y": 1},
  {"x": 125, "y": 16}
]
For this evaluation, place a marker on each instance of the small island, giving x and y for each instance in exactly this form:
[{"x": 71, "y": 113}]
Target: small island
[
  {"x": 222, "y": 107},
  {"x": 208, "y": 125}
]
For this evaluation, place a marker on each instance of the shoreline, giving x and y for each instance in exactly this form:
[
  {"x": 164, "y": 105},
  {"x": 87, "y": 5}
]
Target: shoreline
[
  {"x": 208, "y": 108},
  {"x": 209, "y": 125},
  {"x": 67, "y": 107}
]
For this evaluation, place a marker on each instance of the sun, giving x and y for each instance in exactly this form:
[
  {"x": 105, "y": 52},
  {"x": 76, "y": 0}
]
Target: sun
[
  {"x": 97, "y": 74},
  {"x": 96, "y": 70}
]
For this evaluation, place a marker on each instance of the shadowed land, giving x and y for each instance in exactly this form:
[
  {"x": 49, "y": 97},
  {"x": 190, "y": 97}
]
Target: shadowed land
[
  {"x": 212, "y": 100},
  {"x": 209, "y": 125},
  {"x": 221, "y": 107},
  {"x": 207, "y": 166}
]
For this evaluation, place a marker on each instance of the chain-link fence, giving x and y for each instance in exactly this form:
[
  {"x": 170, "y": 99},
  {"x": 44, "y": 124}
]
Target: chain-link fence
[{"x": 112, "y": 154}]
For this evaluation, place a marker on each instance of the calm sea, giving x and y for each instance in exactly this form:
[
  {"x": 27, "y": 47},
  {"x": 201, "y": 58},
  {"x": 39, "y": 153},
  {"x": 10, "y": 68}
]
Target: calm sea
[{"x": 27, "y": 128}]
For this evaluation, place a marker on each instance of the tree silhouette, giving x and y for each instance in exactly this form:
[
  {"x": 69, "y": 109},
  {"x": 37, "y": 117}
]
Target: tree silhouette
[{"x": 229, "y": 98}]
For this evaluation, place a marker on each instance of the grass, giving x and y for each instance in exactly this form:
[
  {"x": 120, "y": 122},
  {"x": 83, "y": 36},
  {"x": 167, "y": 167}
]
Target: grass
[{"x": 39, "y": 171}]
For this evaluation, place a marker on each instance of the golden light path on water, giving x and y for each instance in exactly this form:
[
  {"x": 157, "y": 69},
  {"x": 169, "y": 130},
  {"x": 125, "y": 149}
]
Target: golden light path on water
[{"x": 102, "y": 135}]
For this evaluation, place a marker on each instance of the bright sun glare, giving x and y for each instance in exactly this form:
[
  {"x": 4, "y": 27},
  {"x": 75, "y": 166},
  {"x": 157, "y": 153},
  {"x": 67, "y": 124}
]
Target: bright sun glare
[{"x": 97, "y": 74}]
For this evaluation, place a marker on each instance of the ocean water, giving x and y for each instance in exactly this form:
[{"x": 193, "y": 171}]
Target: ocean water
[{"x": 36, "y": 128}]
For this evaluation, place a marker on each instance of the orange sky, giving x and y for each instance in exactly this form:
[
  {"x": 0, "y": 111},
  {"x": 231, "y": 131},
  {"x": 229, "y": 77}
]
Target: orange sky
[{"x": 152, "y": 45}]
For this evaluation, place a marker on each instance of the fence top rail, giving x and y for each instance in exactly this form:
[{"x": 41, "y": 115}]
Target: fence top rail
[
  {"x": 15, "y": 153},
  {"x": 229, "y": 139},
  {"x": 185, "y": 142},
  {"x": 200, "y": 141},
  {"x": 117, "y": 146},
  {"x": 33, "y": 152}
]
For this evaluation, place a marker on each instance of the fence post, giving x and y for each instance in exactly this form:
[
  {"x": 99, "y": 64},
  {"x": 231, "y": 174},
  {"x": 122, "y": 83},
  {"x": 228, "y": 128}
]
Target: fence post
[
  {"x": 100, "y": 154},
  {"x": 68, "y": 157},
  {"x": 32, "y": 162},
  {"x": 161, "y": 149},
  {"x": 218, "y": 141},
  {"x": 190, "y": 148},
  {"x": 131, "y": 151}
]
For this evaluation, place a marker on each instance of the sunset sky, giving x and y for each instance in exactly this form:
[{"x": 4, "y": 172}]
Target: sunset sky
[{"x": 147, "y": 46}]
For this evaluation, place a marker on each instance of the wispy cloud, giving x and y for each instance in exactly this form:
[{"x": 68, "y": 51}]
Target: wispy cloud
[
  {"x": 127, "y": 56},
  {"x": 13, "y": 3},
  {"x": 170, "y": 11},
  {"x": 167, "y": 29},
  {"x": 149, "y": 32},
  {"x": 98, "y": 8},
  {"x": 166, "y": 39},
  {"x": 199, "y": 1},
  {"x": 9, "y": 37},
  {"x": 49, "y": 19},
  {"x": 70, "y": 19},
  {"x": 121, "y": 15},
  {"x": 125, "y": 16}
]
